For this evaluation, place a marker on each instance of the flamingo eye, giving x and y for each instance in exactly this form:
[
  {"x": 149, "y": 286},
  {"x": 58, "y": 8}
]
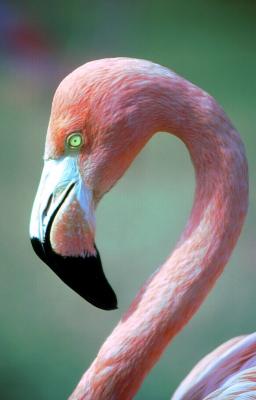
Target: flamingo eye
[{"x": 74, "y": 141}]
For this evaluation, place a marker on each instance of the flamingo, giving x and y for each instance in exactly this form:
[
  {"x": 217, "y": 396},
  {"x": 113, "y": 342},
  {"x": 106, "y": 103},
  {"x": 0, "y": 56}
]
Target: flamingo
[{"x": 102, "y": 115}]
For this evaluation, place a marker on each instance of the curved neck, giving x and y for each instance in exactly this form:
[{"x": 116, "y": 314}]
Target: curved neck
[{"x": 175, "y": 291}]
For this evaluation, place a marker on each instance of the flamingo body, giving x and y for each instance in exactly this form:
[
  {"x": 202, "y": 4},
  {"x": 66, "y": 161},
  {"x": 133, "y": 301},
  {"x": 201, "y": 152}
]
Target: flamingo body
[
  {"x": 226, "y": 372},
  {"x": 113, "y": 107}
]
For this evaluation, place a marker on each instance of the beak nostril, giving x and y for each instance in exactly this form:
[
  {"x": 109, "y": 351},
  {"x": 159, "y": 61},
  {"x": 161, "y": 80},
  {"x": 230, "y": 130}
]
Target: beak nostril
[
  {"x": 52, "y": 198},
  {"x": 58, "y": 191},
  {"x": 44, "y": 213}
]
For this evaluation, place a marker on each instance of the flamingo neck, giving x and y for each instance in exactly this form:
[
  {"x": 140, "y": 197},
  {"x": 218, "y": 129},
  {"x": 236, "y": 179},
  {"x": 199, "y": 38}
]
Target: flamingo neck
[{"x": 175, "y": 291}]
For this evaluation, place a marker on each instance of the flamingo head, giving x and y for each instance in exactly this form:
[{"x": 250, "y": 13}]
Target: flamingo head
[{"x": 89, "y": 144}]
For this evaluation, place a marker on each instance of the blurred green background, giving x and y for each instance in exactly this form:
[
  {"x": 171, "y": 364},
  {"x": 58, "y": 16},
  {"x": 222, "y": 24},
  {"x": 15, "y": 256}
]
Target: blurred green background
[{"x": 49, "y": 335}]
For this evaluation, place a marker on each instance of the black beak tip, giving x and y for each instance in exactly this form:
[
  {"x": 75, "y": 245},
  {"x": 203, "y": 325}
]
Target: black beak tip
[
  {"x": 83, "y": 274},
  {"x": 107, "y": 304}
]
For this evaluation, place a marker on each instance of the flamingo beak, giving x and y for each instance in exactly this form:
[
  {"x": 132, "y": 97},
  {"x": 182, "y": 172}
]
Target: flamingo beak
[{"x": 62, "y": 230}]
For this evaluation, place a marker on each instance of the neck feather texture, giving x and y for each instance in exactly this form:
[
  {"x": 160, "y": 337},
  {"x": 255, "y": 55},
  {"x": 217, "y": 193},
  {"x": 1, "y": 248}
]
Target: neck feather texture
[{"x": 175, "y": 291}]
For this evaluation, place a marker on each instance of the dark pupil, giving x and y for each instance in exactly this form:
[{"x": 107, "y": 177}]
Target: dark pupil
[{"x": 75, "y": 141}]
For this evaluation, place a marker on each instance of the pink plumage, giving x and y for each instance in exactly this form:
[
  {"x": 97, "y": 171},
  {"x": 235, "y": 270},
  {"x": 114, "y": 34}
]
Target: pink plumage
[
  {"x": 117, "y": 105},
  {"x": 227, "y": 371}
]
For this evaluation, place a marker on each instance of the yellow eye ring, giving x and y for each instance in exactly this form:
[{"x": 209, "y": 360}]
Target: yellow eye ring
[{"x": 74, "y": 141}]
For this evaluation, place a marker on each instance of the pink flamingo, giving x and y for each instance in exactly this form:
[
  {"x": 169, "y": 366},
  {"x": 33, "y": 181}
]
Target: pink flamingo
[{"x": 102, "y": 115}]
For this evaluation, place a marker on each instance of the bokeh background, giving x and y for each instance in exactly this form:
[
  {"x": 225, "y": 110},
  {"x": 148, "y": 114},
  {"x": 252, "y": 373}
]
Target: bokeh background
[{"x": 49, "y": 335}]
